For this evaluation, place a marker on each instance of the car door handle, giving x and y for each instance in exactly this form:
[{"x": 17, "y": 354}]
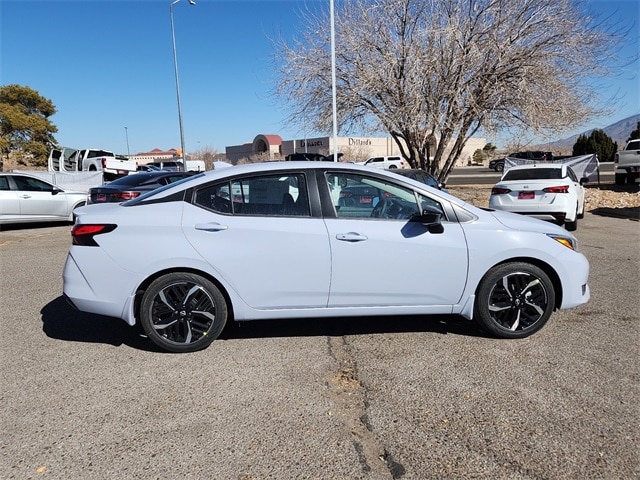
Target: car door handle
[
  {"x": 211, "y": 227},
  {"x": 26, "y": 195},
  {"x": 351, "y": 237}
]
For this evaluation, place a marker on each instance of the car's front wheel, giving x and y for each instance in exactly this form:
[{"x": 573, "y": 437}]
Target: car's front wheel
[
  {"x": 514, "y": 300},
  {"x": 183, "y": 312}
]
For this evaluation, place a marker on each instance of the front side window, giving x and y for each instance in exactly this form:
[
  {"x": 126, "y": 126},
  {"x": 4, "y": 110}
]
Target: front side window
[
  {"x": 32, "y": 184},
  {"x": 360, "y": 196},
  {"x": 270, "y": 195}
]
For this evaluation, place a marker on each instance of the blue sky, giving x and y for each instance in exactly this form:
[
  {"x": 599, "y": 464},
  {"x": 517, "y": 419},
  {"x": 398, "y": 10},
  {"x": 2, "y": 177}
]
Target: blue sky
[{"x": 107, "y": 65}]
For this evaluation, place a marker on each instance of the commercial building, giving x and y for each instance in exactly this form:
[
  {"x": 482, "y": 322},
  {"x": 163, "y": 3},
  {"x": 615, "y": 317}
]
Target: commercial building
[
  {"x": 267, "y": 147},
  {"x": 155, "y": 155}
]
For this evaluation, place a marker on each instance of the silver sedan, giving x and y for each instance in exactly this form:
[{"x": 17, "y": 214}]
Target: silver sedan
[{"x": 26, "y": 198}]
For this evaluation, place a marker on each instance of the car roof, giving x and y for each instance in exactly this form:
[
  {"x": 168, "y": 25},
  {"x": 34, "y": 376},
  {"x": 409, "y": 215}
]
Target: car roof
[{"x": 284, "y": 166}]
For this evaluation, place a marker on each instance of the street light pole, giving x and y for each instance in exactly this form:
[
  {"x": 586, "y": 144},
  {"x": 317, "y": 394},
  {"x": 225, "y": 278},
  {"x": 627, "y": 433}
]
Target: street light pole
[
  {"x": 175, "y": 67},
  {"x": 333, "y": 82},
  {"x": 126, "y": 132}
]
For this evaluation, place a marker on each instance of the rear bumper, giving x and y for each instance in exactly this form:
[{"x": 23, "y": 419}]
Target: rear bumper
[{"x": 97, "y": 292}]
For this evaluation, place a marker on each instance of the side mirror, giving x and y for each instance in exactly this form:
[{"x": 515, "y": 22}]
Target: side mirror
[
  {"x": 430, "y": 218},
  {"x": 55, "y": 190},
  {"x": 584, "y": 180}
]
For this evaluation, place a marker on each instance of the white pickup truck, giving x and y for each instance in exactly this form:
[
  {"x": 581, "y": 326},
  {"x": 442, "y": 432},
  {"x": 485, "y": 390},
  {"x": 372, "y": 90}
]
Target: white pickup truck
[
  {"x": 386, "y": 162},
  {"x": 627, "y": 163},
  {"x": 90, "y": 160}
]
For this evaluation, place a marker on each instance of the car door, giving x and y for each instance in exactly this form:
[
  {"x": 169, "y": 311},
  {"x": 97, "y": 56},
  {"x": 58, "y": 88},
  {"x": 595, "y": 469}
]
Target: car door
[
  {"x": 39, "y": 199},
  {"x": 9, "y": 201},
  {"x": 258, "y": 233},
  {"x": 381, "y": 258}
]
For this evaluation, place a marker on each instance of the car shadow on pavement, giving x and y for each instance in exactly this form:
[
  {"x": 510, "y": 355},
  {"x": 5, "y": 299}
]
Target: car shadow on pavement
[
  {"x": 63, "y": 322},
  {"x": 336, "y": 327},
  {"x": 631, "y": 213}
]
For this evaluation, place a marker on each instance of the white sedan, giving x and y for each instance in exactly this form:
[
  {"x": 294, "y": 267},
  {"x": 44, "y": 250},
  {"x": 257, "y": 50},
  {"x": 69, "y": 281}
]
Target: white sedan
[
  {"x": 314, "y": 239},
  {"x": 25, "y": 198},
  {"x": 548, "y": 191}
]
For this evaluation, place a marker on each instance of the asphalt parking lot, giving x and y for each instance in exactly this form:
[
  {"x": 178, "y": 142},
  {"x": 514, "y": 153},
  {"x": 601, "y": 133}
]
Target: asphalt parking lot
[{"x": 86, "y": 397}]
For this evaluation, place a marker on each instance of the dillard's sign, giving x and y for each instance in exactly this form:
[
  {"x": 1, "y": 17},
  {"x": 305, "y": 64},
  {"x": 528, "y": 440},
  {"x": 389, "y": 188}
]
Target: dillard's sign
[
  {"x": 320, "y": 143},
  {"x": 359, "y": 142}
]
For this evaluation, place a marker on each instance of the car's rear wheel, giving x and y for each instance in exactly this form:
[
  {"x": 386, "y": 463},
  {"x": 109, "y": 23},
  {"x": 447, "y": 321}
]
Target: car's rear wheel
[
  {"x": 514, "y": 300},
  {"x": 581, "y": 212},
  {"x": 572, "y": 225},
  {"x": 183, "y": 312}
]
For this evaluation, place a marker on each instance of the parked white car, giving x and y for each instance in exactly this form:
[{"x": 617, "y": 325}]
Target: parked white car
[
  {"x": 25, "y": 198},
  {"x": 386, "y": 162},
  {"x": 546, "y": 191},
  {"x": 314, "y": 239}
]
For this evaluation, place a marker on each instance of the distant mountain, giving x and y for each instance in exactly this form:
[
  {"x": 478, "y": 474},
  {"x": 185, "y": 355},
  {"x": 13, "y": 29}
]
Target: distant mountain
[{"x": 619, "y": 132}]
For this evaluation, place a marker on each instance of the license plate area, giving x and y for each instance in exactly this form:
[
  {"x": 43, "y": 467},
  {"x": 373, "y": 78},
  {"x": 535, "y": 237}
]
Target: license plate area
[{"x": 526, "y": 195}]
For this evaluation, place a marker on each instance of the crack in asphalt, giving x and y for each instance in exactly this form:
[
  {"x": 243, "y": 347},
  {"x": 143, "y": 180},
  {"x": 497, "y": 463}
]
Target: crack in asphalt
[{"x": 349, "y": 398}]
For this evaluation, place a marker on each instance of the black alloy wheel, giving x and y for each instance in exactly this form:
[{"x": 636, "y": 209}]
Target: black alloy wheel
[
  {"x": 183, "y": 312},
  {"x": 514, "y": 300}
]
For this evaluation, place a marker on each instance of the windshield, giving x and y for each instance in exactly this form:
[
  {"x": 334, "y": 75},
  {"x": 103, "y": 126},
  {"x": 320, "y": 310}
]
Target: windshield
[{"x": 143, "y": 197}]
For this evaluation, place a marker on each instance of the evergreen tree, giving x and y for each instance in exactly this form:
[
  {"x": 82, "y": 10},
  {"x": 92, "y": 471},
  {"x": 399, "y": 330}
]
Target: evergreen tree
[
  {"x": 597, "y": 142},
  {"x": 25, "y": 127},
  {"x": 634, "y": 134}
]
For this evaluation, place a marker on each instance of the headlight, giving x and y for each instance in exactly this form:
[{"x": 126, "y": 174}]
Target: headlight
[{"x": 569, "y": 242}]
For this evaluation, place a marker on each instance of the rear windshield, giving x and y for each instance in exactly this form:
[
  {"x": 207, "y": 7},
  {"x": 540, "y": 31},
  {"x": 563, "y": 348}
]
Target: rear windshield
[
  {"x": 136, "y": 179},
  {"x": 534, "y": 174},
  {"x": 99, "y": 153},
  {"x": 143, "y": 197}
]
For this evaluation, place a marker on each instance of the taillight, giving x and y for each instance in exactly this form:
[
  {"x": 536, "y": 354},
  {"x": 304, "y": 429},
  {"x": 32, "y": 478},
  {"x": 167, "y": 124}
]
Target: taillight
[
  {"x": 558, "y": 189},
  {"x": 125, "y": 195},
  {"x": 104, "y": 162},
  {"x": 344, "y": 194},
  {"x": 83, "y": 234},
  {"x": 616, "y": 158},
  {"x": 499, "y": 191}
]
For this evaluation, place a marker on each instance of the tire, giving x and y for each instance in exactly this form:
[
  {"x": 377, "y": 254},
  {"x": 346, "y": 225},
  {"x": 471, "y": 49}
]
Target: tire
[
  {"x": 580, "y": 214},
  {"x": 572, "y": 226},
  {"x": 73, "y": 215},
  {"x": 500, "y": 167},
  {"x": 392, "y": 167},
  {"x": 514, "y": 300},
  {"x": 620, "y": 178},
  {"x": 183, "y": 312}
]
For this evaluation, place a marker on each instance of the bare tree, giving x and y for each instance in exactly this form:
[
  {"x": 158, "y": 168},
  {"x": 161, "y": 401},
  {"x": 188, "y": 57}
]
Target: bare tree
[
  {"x": 206, "y": 153},
  {"x": 432, "y": 73}
]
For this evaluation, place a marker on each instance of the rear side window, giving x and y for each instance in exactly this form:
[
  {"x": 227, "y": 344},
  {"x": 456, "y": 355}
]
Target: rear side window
[{"x": 271, "y": 196}]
